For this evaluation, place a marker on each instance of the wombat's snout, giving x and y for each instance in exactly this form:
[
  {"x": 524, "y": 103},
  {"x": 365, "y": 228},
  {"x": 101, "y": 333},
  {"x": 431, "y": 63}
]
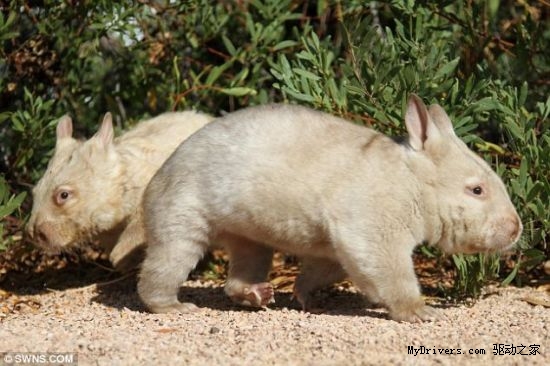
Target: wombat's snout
[
  {"x": 42, "y": 235},
  {"x": 515, "y": 228},
  {"x": 508, "y": 231}
]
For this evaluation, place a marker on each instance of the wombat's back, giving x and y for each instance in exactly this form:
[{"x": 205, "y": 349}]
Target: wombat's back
[
  {"x": 151, "y": 142},
  {"x": 166, "y": 127},
  {"x": 275, "y": 138},
  {"x": 270, "y": 164}
]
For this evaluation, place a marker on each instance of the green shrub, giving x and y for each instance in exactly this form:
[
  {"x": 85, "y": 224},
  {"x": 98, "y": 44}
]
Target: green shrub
[
  {"x": 8, "y": 204},
  {"x": 485, "y": 62}
]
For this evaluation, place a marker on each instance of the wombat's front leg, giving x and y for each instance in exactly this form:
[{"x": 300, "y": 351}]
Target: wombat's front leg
[
  {"x": 316, "y": 273},
  {"x": 249, "y": 264},
  {"x": 387, "y": 275},
  {"x": 128, "y": 251},
  {"x": 173, "y": 250}
]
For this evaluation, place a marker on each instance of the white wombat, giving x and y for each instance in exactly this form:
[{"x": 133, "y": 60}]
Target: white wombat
[
  {"x": 93, "y": 189},
  {"x": 344, "y": 198}
]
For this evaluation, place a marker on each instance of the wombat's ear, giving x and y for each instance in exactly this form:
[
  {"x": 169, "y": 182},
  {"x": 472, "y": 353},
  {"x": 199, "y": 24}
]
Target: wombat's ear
[
  {"x": 64, "y": 127},
  {"x": 442, "y": 120},
  {"x": 419, "y": 124},
  {"x": 105, "y": 133}
]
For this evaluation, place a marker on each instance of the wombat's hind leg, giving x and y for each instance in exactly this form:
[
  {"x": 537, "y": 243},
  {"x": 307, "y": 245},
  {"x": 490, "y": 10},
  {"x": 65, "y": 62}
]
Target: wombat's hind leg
[
  {"x": 170, "y": 257},
  {"x": 249, "y": 264},
  {"x": 315, "y": 273}
]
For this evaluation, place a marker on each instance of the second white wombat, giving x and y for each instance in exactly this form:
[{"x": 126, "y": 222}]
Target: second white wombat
[
  {"x": 344, "y": 198},
  {"x": 93, "y": 189}
]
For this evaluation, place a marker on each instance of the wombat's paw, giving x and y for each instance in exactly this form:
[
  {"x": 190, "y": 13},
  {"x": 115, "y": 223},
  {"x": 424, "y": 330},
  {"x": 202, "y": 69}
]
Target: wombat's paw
[
  {"x": 179, "y": 307},
  {"x": 257, "y": 295},
  {"x": 260, "y": 294},
  {"x": 302, "y": 297},
  {"x": 416, "y": 314}
]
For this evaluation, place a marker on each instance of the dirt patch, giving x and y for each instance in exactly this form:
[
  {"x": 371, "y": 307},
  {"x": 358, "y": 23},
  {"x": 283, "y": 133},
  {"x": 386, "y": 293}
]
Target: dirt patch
[{"x": 105, "y": 324}]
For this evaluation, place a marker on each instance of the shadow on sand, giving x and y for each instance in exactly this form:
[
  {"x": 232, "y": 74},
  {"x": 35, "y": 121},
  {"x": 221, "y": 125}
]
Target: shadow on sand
[
  {"x": 122, "y": 295},
  {"x": 119, "y": 291}
]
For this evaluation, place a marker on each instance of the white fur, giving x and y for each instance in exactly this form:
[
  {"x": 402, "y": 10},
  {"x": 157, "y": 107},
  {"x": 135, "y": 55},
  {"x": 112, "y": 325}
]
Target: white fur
[
  {"x": 105, "y": 179},
  {"x": 344, "y": 198}
]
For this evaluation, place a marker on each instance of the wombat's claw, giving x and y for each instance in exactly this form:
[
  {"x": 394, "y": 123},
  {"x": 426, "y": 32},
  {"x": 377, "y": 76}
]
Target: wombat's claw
[
  {"x": 417, "y": 315},
  {"x": 427, "y": 313},
  {"x": 258, "y": 294},
  {"x": 179, "y": 307}
]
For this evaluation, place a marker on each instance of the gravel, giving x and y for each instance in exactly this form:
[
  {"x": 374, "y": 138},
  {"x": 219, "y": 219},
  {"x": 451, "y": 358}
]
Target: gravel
[{"x": 107, "y": 325}]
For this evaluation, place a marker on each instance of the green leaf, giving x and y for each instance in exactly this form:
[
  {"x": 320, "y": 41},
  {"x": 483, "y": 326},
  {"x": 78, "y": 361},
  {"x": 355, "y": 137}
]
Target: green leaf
[
  {"x": 523, "y": 93},
  {"x": 459, "y": 262},
  {"x": 306, "y": 55},
  {"x": 251, "y": 27},
  {"x": 240, "y": 77},
  {"x": 238, "y": 91},
  {"x": 486, "y": 104},
  {"x": 534, "y": 253},
  {"x": 229, "y": 46},
  {"x": 13, "y": 204},
  {"x": 284, "y": 44},
  {"x": 176, "y": 69},
  {"x": 515, "y": 130},
  {"x": 4, "y": 116},
  {"x": 307, "y": 74},
  {"x": 534, "y": 191},
  {"x": 216, "y": 72},
  {"x": 283, "y": 61},
  {"x": 523, "y": 172},
  {"x": 446, "y": 70},
  {"x": 17, "y": 125},
  {"x": 11, "y": 18},
  {"x": 276, "y": 73},
  {"x": 192, "y": 38},
  {"x": 315, "y": 40},
  {"x": 299, "y": 96},
  {"x": 3, "y": 189},
  {"x": 426, "y": 251},
  {"x": 493, "y": 8}
]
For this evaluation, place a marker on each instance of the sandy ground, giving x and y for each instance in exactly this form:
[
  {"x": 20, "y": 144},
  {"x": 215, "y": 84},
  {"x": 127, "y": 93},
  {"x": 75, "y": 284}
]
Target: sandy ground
[{"x": 107, "y": 325}]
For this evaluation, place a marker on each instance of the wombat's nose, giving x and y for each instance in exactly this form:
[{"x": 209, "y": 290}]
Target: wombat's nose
[
  {"x": 41, "y": 237},
  {"x": 45, "y": 236},
  {"x": 40, "y": 234}
]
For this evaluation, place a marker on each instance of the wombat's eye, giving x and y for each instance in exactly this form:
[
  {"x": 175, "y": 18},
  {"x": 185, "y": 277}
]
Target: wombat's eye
[
  {"x": 62, "y": 196},
  {"x": 478, "y": 191}
]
